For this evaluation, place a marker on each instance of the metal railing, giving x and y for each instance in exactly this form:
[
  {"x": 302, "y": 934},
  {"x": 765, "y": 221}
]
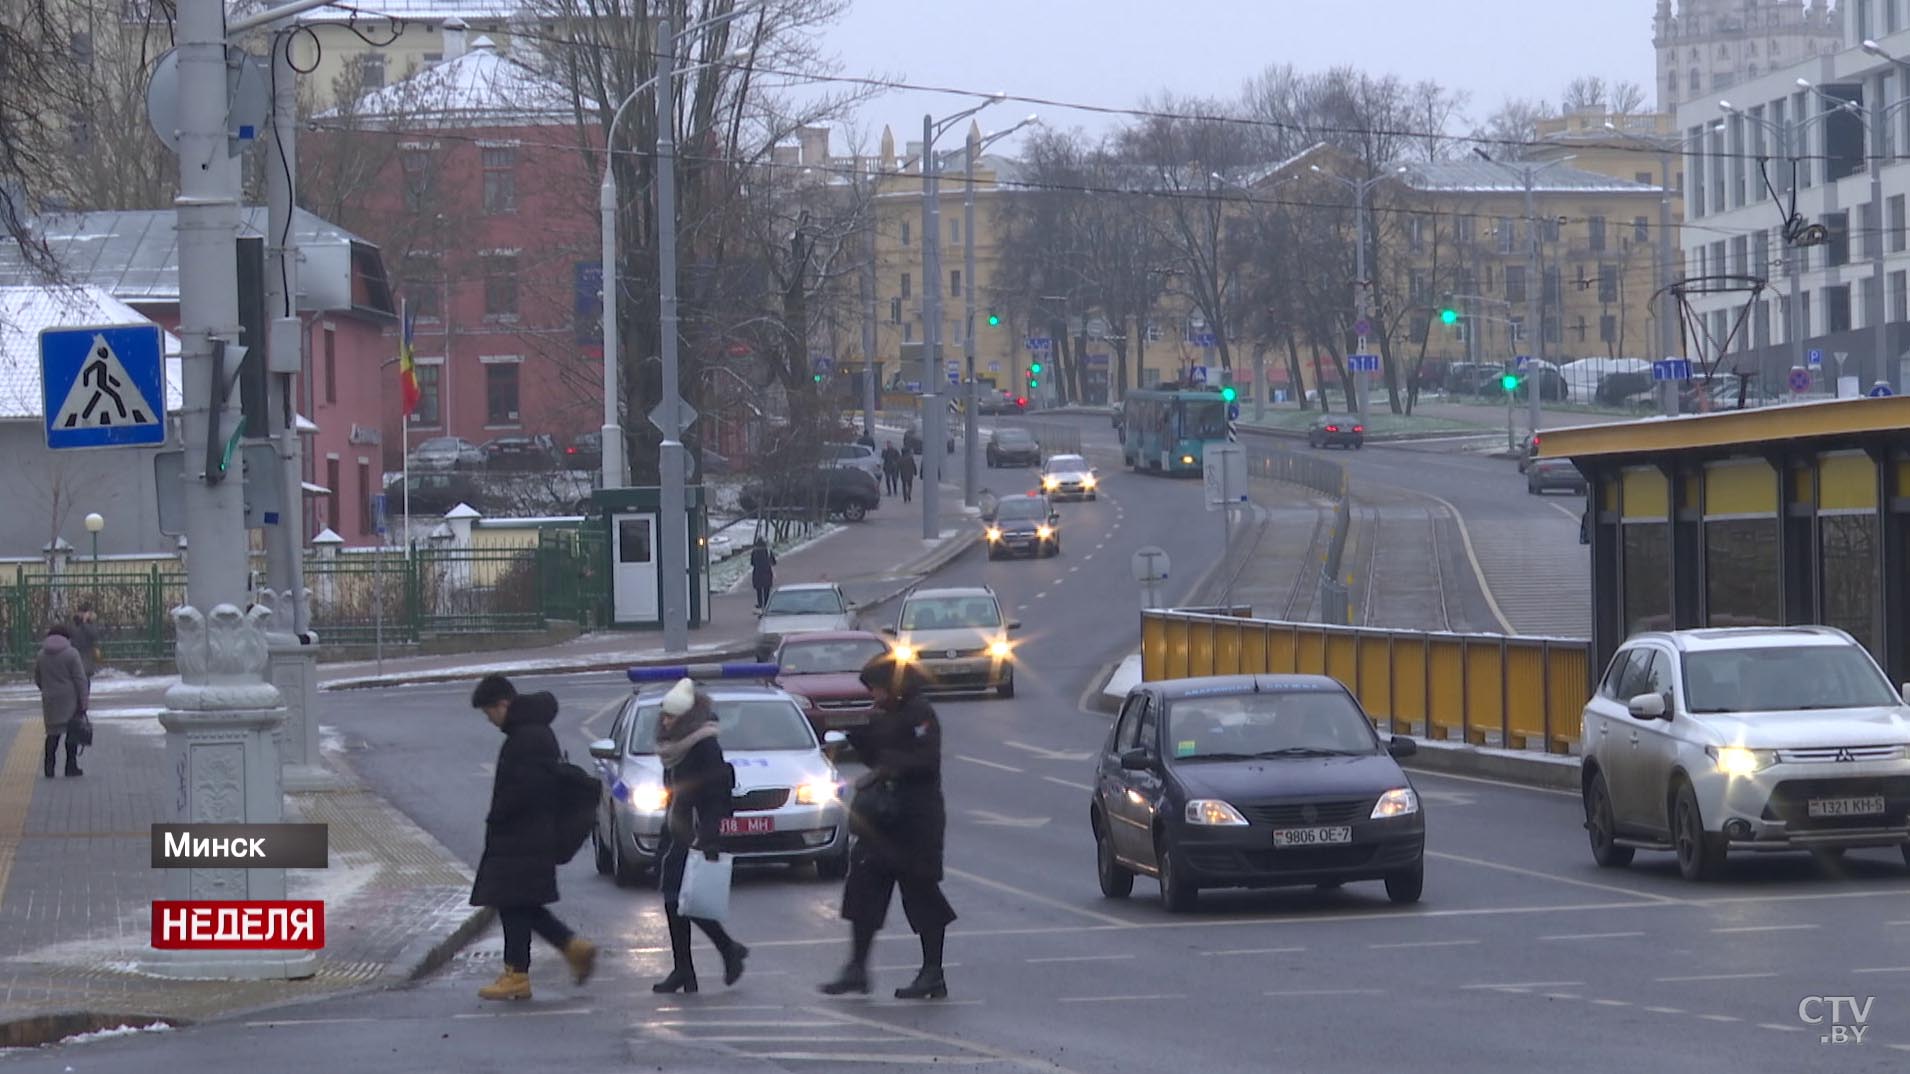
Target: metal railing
[
  {"x": 1055, "y": 438},
  {"x": 1328, "y": 479}
]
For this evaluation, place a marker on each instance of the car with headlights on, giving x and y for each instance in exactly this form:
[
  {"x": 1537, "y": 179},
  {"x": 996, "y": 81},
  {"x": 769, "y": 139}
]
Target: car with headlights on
[
  {"x": 788, "y": 803},
  {"x": 1069, "y": 477},
  {"x": 1715, "y": 741},
  {"x": 959, "y": 637},
  {"x": 1253, "y": 781},
  {"x": 1021, "y": 526},
  {"x": 823, "y": 671}
]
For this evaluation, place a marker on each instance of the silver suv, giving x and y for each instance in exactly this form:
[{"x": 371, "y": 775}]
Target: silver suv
[{"x": 1752, "y": 739}]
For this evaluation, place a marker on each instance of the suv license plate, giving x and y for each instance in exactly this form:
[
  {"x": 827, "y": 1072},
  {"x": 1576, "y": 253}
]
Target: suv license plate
[
  {"x": 1312, "y": 837},
  {"x": 746, "y": 825},
  {"x": 1846, "y": 807}
]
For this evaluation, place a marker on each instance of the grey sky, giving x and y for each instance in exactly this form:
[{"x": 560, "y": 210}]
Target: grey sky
[{"x": 1115, "y": 52}]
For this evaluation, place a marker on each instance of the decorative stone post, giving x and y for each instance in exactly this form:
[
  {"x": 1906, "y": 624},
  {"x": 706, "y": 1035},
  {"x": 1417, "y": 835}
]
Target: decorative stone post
[{"x": 293, "y": 669}]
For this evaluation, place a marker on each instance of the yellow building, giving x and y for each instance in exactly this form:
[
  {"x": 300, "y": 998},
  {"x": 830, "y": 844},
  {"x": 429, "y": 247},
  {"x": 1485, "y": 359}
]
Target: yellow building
[{"x": 341, "y": 66}]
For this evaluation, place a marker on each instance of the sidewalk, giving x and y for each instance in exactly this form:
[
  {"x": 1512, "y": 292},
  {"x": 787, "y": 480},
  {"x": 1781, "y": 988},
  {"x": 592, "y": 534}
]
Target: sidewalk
[{"x": 76, "y": 887}]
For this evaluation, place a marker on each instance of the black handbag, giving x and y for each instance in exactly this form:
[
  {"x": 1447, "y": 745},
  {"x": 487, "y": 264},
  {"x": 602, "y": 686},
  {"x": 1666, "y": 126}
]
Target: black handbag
[
  {"x": 80, "y": 729},
  {"x": 880, "y": 806}
]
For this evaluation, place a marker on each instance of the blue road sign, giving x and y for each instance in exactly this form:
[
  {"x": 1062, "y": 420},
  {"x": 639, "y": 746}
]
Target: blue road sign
[
  {"x": 1523, "y": 361},
  {"x": 1362, "y": 363},
  {"x": 822, "y": 364},
  {"x": 1671, "y": 369},
  {"x": 1800, "y": 380},
  {"x": 1880, "y": 391},
  {"x": 1362, "y": 328},
  {"x": 1233, "y": 411},
  {"x": 103, "y": 386},
  {"x": 1197, "y": 374},
  {"x": 380, "y": 512},
  {"x": 1816, "y": 358},
  {"x": 1203, "y": 339},
  {"x": 1040, "y": 343}
]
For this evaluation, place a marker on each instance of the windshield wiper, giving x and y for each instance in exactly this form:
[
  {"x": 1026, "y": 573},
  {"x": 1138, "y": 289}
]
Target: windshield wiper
[
  {"x": 1304, "y": 751},
  {"x": 1218, "y": 757}
]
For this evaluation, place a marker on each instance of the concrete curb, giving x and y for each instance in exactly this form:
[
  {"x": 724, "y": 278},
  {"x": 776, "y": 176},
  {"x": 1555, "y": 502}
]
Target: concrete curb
[
  {"x": 1514, "y": 766},
  {"x": 1371, "y": 438},
  {"x": 40, "y": 1029},
  {"x": 427, "y": 953}
]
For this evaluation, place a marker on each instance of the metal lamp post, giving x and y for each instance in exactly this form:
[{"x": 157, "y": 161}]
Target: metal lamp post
[
  {"x": 1360, "y": 188},
  {"x": 95, "y": 522},
  {"x": 970, "y": 432}
]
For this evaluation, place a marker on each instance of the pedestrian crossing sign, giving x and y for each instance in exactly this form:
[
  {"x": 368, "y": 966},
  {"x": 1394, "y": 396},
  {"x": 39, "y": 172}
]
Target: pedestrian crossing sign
[{"x": 103, "y": 386}]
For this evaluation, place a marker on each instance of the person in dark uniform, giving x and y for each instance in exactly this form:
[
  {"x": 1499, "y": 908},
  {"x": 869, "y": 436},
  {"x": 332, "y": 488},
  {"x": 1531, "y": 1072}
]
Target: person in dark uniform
[
  {"x": 762, "y": 571},
  {"x": 908, "y": 472},
  {"x": 518, "y": 871},
  {"x": 899, "y": 822},
  {"x": 698, "y": 781},
  {"x": 891, "y": 468}
]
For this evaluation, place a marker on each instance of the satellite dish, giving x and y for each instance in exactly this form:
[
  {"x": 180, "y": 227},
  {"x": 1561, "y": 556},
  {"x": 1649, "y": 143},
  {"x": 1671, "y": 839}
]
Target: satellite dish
[{"x": 248, "y": 97}]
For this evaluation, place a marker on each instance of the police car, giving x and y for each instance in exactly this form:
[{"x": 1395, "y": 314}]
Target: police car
[{"x": 788, "y": 803}]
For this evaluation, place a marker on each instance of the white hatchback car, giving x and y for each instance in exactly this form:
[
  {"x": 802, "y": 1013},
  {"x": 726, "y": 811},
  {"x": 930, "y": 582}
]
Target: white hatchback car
[{"x": 1703, "y": 742}]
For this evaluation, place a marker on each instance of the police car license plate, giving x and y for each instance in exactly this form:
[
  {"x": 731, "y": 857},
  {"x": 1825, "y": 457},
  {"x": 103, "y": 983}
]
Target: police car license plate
[
  {"x": 1846, "y": 807},
  {"x": 1312, "y": 837},
  {"x": 746, "y": 825}
]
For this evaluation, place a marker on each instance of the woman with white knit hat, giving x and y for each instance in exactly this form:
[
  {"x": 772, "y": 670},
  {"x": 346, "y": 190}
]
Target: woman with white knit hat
[{"x": 699, "y": 783}]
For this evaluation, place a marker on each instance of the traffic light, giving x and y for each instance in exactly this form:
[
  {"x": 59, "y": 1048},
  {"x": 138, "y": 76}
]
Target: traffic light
[
  {"x": 994, "y": 319},
  {"x": 1034, "y": 369},
  {"x": 817, "y": 377},
  {"x": 1509, "y": 382},
  {"x": 1228, "y": 394},
  {"x": 1448, "y": 316}
]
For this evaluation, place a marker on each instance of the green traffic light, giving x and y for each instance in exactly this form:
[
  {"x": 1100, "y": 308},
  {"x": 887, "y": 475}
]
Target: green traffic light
[
  {"x": 1509, "y": 381},
  {"x": 1449, "y": 316},
  {"x": 1033, "y": 383},
  {"x": 994, "y": 320},
  {"x": 1034, "y": 368},
  {"x": 1228, "y": 394}
]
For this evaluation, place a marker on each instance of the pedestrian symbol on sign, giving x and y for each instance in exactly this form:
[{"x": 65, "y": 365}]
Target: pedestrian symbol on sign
[{"x": 103, "y": 396}]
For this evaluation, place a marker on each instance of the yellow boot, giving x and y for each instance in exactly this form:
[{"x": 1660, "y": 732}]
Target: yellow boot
[
  {"x": 582, "y": 956},
  {"x": 511, "y": 984}
]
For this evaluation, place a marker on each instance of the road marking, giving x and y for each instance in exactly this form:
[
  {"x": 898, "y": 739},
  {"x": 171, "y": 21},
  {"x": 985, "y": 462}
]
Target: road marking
[
  {"x": 1665, "y": 1010},
  {"x": 1714, "y": 977},
  {"x": 1041, "y": 594},
  {"x": 553, "y": 1013},
  {"x": 1515, "y": 985},
  {"x": 1561, "y": 995},
  {"x": 274, "y": 1022},
  {"x": 1329, "y": 992},
  {"x": 17, "y": 780},
  {"x": 1591, "y": 935},
  {"x": 756, "y": 1038},
  {"x": 1421, "y": 943},
  {"x": 1106, "y": 919},
  {"x": 985, "y": 763},
  {"x": 1047, "y": 754},
  {"x": 999, "y": 820},
  {"x": 1897, "y": 922},
  {"x": 859, "y": 1057},
  {"x": 1554, "y": 877},
  {"x": 488, "y": 768},
  {"x": 1720, "y": 1018},
  {"x": 1612, "y": 1002},
  {"x": 902, "y": 968},
  {"x": 1080, "y": 958},
  {"x": 1765, "y": 928},
  {"x": 1025, "y": 1062},
  {"x": 1255, "y": 951},
  {"x": 590, "y": 722},
  {"x": 1884, "y": 969},
  {"x": 1780, "y": 1028},
  {"x": 1472, "y": 557},
  {"x": 1122, "y": 999},
  {"x": 1068, "y": 783},
  {"x": 1497, "y": 783}
]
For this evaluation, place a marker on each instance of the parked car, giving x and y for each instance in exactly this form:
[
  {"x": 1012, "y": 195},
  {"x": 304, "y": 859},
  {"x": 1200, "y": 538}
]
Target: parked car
[
  {"x": 1544, "y": 475},
  {"x": 829, "y": 490},
  {"x": 447, "y": 453},
  {"x": 800, "y": 608},
  {"x": 434, "y": 493},
  {"x": 822, "y": 670},
  {"x": 1706, "y": 742},
  {"x": 854, "y": 456},
  {"x": 519, "y": 453},
  {"x": 1253, "y": 781},
  {"x": 1329, "y": 431},
  {"x": 1013, "y": 447},
  {"x": 586, "y": 452}
]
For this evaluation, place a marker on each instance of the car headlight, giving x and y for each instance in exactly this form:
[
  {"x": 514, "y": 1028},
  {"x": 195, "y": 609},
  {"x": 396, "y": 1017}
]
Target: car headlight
[
  {"x": 1044, "y": 532},
  {"x": 1187, "y": 460},
  {"x": 1050, "y": 483},
  {"x": 994, "y": 533},
  {"x": 1213, "y": 811},
  {"x": 1087, "y": 482},
  {"x": 818, "y": 791},
  {"x": 649, "y": 797},
  {"x": 904, "y": 653},
  {"x": 1738, "y": 761},
  {"x": 1000, "y": 649},
  {"x": 1398, "y": 802}
]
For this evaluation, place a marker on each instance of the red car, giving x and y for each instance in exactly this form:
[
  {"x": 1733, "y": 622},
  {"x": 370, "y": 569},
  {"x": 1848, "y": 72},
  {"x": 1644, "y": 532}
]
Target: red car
[{"x": 821, "y": 670}]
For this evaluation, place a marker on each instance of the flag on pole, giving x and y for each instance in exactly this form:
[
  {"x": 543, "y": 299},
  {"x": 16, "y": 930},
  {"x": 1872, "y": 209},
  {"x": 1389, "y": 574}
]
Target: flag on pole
[{"x": 407, "y": 367}]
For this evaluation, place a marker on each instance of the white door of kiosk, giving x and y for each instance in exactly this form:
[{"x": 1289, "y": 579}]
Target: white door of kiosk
[{"x": 634, "y": 590}]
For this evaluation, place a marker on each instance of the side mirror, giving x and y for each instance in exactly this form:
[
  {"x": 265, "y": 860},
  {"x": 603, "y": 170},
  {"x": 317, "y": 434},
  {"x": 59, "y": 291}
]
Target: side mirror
[
  {"x": 1906, "y": 692},
  {"x": 604, "y": 749},
  {"x": 1648, "y": 706},
  {"x": 889, "y": 630},
  {"x": 1054, "y": 517},
  {"x": 1138, "y": 761},
  {"x": 834, "y": 738},
  {"x": 1014, "y": 624},
  {"x": 1401, "y": 746}
]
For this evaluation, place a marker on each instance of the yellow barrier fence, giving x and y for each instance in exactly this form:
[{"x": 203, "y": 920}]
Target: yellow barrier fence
[{"x": 1484, "y": 689}]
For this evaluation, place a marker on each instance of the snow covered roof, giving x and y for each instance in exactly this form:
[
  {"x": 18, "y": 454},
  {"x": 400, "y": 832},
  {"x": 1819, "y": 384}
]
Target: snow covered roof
[
  {"x": 24, "y": 311},
  {"x": 420, "y": 10},
  {"x": 482, "y": 88},
  {"x": 1492, "y": 177}
]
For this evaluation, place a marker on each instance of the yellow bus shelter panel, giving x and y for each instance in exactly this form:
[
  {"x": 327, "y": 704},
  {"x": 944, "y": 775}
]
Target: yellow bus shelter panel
[
  {"x": 1200, "y": 647},
  {"x": 1646, "y": 493},
  {"x": 1740, "y": 488},
  {"x": 1566, "y": 669},
  {"x": 1227, "y": 649},
  {"x": 1525, "y": 683},
  {"x": 1375, "y": 687},
  {"x": 1343, "y": 657},
  {"x": 1309, "y": 657},
  {"x": 1254, "y": 640},
  {"x": 1409, "y": 683},
  {"x": 1177, "y": 658},
  {"x": 1485, "y": 690},
  {"x": 1446, "y": 712},
  {"x": 1283, "y": 649},
  {"x": 1846, "y": 483},
  {"x": 1153, "y": 648}
]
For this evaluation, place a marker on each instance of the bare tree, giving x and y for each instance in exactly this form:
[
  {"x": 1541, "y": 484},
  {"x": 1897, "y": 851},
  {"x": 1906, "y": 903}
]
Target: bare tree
[
  {"x": 1627, "y": 98},
  {"x": 1586, "y": 93},
  {"x": 1514, "y": 127}
]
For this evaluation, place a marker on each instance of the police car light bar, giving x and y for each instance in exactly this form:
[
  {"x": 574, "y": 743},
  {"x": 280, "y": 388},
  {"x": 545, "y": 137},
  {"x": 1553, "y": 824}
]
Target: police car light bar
[{"x": 704, "y": 672}]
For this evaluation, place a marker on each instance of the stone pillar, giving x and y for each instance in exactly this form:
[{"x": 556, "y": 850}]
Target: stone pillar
[
  {"x": 221, "y": 724},
  {"x": 293, "y": 669}
]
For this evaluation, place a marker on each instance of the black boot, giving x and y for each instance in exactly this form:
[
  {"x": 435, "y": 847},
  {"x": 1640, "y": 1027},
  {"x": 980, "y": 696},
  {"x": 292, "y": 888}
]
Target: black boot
[
  {"x": 733, "y": 953},
  {"x": 52, "y": 753},
  {"x": 929, "y": 982},
  {"x": 72, "y": 758},
  {"x": 683, "y": 971},
  {"x": 854, "y": 976}
]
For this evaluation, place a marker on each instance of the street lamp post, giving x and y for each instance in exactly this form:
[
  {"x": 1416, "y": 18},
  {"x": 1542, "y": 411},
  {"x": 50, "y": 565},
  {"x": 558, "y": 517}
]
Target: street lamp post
[
  {"x": 1361, "y": 291},
  {"x": 95, "y": 522},
  {"x": 970, "y": 431}
]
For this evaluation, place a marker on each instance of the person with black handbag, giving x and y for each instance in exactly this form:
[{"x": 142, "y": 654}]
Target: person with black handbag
[
  {"x": 699, "y": 782},
  {"x": 899, "y": 821},
  {"x": 65, "y": 689}
]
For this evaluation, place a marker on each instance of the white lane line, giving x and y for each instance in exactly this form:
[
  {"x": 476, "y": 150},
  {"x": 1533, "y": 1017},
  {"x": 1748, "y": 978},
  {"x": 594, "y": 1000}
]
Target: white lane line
[
  {"x": 1255, "y": 951},
  {"x": 728, "y": 1007},
  {"x": 1514, "y": 985},
  {"x": 1554, "y": 877},
  {"x": 1714, "y": 977},
  {"x": 1041, "y": 594},
  {"x": 1721, "y": 1018},
  {"x": 756, "y": 1038},
  {"x": 903, "y": 968},
  {"x": 556, "y": 1013},
  {"x": 1421, "y": 943},
  {"x": 1765, "y": 928},
  {"x": 1899, "y": 1047},
  {"x": 1045, "y": 1066},
  {"x": 1612, "y": 1002},
  {"x": 1897, "y": 923},
  {"x": 1665, "y": 1010},
  {"x": 1883, "y": 969},
  {"x": 1591, "y": 935},
  {"x": 1122, "y": 999},
  {"x": 1081, "y": 958},
  {"x": 306, "y": 1022},
  {"x": 1034, "y": 897},
  {"x": 863, "y": 1057},
  {"x": 1073, "y": 569},
  {"x": 1560, "y": 995},
  {"x": 1068, "y": 783},
  {"x": 1418, "y": 774},
  {"x": 1328, "y": 992},
  {"x": 986, "y": 763},
  {"x": 1780, "y": 1027}
]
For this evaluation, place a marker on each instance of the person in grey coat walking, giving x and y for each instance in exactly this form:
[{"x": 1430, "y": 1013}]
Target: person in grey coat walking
[
  {"x": 85, "y": 630},
  {"x": 64, "y": 692}
]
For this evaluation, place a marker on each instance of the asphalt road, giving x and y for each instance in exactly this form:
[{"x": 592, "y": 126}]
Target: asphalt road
[{"x": 1522, "y": 956}]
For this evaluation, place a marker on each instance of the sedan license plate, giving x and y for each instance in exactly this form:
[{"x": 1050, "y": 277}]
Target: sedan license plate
[
  {"x": 746, "y": 825},
  {"x": 1846, "y": 807},
  {"x": 1312, "y": 837}
]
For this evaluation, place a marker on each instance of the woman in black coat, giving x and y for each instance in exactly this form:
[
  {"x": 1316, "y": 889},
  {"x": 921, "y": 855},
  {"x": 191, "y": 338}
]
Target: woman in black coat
[
  {"x": 899, "y": 821},
  {"x": 699, "y": 784},
  {"x": 762, "y": 571},
  {"x": 518, "y": 872}
]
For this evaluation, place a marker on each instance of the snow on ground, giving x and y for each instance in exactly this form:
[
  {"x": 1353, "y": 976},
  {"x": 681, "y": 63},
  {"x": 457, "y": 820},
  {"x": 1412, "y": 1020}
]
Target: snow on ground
[{"x": 117, "y": 1031}]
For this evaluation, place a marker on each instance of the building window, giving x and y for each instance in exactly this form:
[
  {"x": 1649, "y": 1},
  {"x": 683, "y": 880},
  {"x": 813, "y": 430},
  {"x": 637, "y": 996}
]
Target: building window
[
  {"x": 422, "y": 285},
  {"x": 1462, "y": 229},
  {"x": 1837, "y": 251},
  {"x": 1595, "y": 228},
  {"x": 500, "y": 393},
  {"x": 1507, "y": 232},
  {"x": 1896, "y": 224},
  {"x": 1549, "y": 230},
  {"x": 417, "y": 168},
  {"x": 1551, "y": 329},
  {"x": 1608, "y": 283},
  {"x": 430, "y": 379},
  {"x": 1422, "y": 324},
  {"x": 1644, "y": 178},
  {"x": 1578, "y": 328},
  {"x": 895, "y": 311},
  {"x": 955, "y": 283},
  {"x": 905, "y": 232},
  {"x": 331, "y": 364},
  {"x": 1837, "y": 308},
  {"x": 333, "y": 477},
  {"x": 371, "y": 71},
  {"x": 1416, "y": 287},
  {"x": 908, "y": 332},
  {"x": 1607, "y": 328},
  {"x": 82, "y": 45},
  {"x": 500, "y": 179},
  {"x": 906, "y": 285},
  {"x": 1515, "y": 283},
  {"x": 1900, "y": 296},
  {"x": 1416, "y": 234},
  {"x": 1517, "y": 329},
  {"x": 500, "y": 285},
  {"x": 954, "y": 232},
  {"x": 1550, "y": 294},
  {"x": 1640, "y": 229},
  {"x": 367, "y": 520}
]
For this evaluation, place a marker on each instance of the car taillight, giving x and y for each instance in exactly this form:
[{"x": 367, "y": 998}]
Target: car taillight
[
  {"x": 570, "y": 451},
  {"x": 1359, "y": 428},
  {"x": 1332, "y": 428}
]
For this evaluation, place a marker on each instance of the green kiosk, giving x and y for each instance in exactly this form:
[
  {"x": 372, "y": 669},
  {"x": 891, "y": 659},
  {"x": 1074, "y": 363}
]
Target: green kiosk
[{"x": 631, "y": 521}]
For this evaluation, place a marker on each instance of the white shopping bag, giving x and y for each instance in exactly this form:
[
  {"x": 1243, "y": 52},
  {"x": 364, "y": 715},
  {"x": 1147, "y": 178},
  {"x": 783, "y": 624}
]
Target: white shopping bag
[{"x": 706, "y": 887}]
